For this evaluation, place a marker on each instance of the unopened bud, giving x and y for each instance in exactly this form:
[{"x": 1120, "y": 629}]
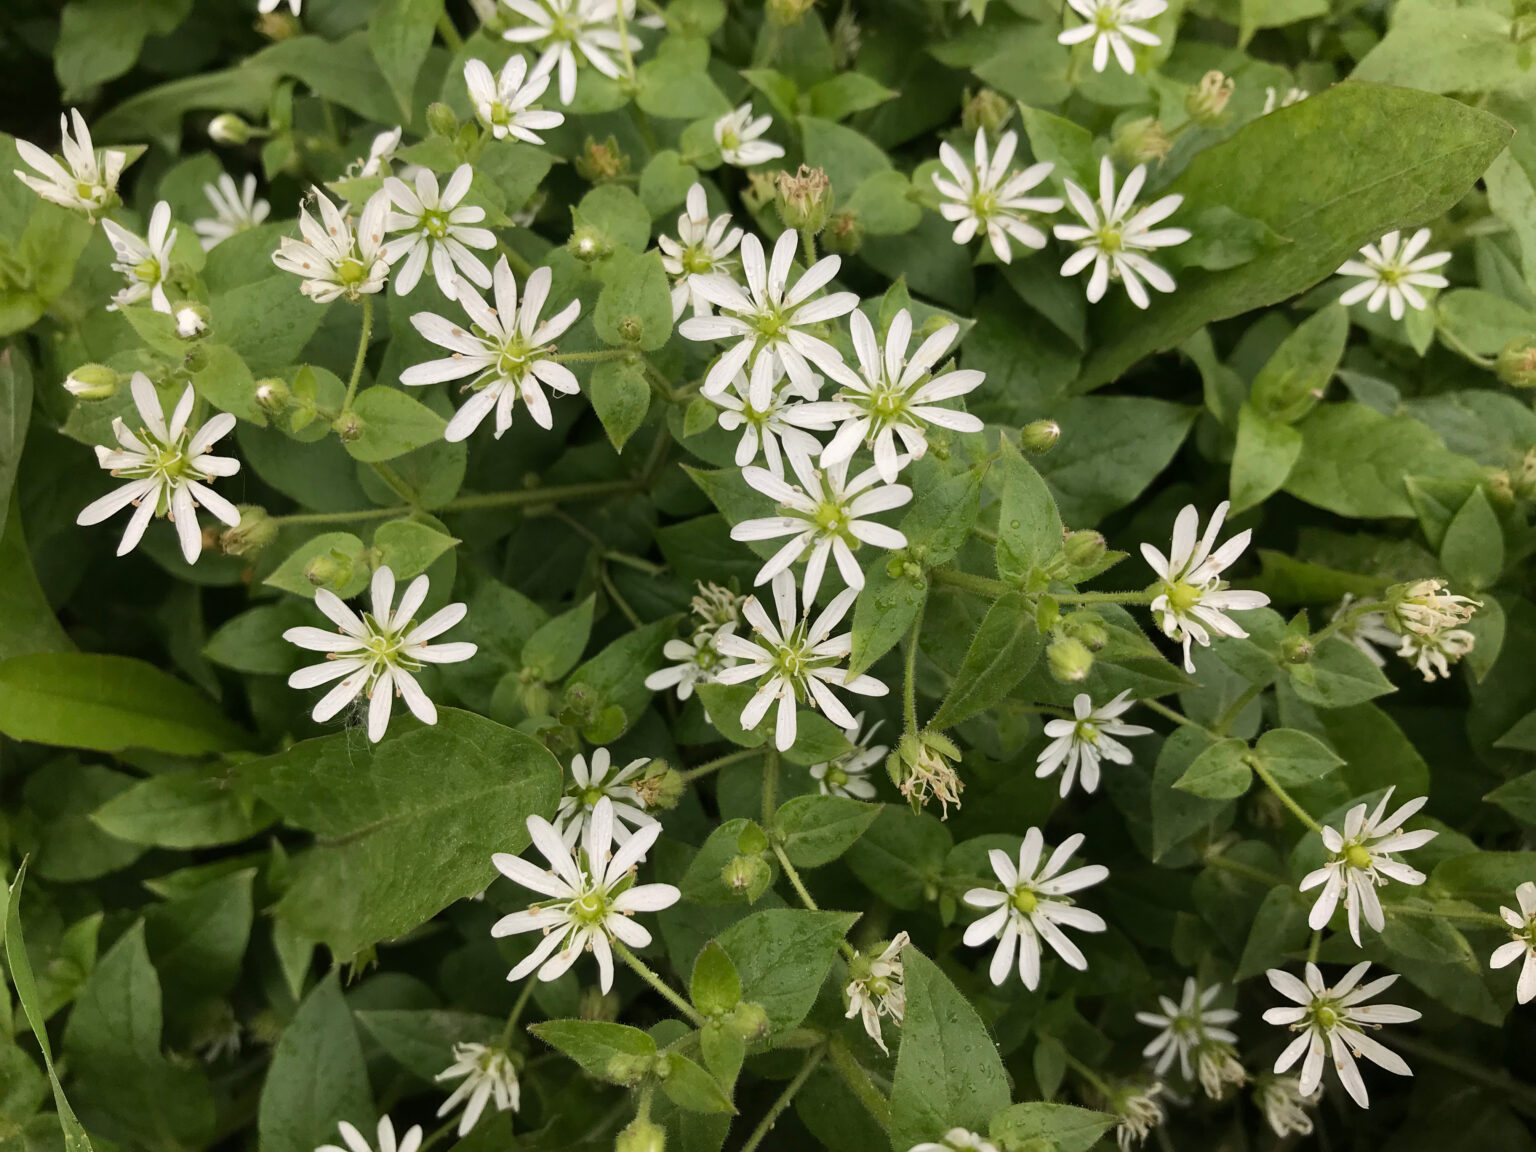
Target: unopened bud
[
  {"x": 631, "y": 329},
  {"x": 191, "y": 320},
  {"x": 641, "y": 1136},
  {"x": 93, "y": 382},
  {"x": 1516, "y": 365},
  {"x": 331, "y": 569},
  {"x": 805, "y": 199},
  {"x": 1140, "y": 142},
  {"x": 843, "y": 234},
  {"x": 786, "y": 13},
  {"x": 277, "y": 26},
  {"x": 1296, "y": 649},
  {"x": 588, "y": 244},
  {"x": 227, "y": 128},
  {"x": 1087, "y": 627},
  {"x": 348, "y": 427},
  {"x": 1206, "y": 102},
  {"x": 750, "y": 1021},
  {"x": 273, "y": 395},
  {"x": 601, "y": 161},
  {"x": 985, "y": 109},
  {"x": 254, "y": 532},
  {"x": 747, "y": 876},
  {"x": 1085, "y": 548},
  {"x": 441, "y": 120},
  {"x": 1069, "y": 659},
  {"x": 1039, "y": 437}
]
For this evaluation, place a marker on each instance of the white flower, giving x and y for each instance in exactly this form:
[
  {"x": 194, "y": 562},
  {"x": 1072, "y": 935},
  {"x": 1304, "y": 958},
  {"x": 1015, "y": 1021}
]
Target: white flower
[
  {"x": 770, "y": 316},
  {"x": 336, "y": 258},
  {"x": 796, "y": 660},
  {"x": 1424, "y": 608},
  {"x": 1364, "y": 858},
  {"x": 380, "y": 153},
  {"x": 956, "y": 1140},
  {"x": 509, "y": 355},
  {"x": 1275, "y": 98},
  {"x": 1113, "y": 236},
  {"x": 703, "y": 248},
  {"x": 978, "y": 198},
  {"x": 588, "y": 786},
  {"x": 848, "y": 774},
  {"x": 827, "y": 516},
  {"x": 737, "y": 134},
  {"x": 437, "y": 226},
  {"x": 564, "y": 27},
  {"x": 234, "y": 210},
  {"x": 1330, "y": 1021},
  {"x": 876, "y": 988},
  {"x": 1033, "y": 904},
  {"x": 1367, "y": 631},
  {"x": 894, "y": 397},
  {"x": 504, "y": 103},
  {"x": 1433, "y": 655},
  {"x": 86, "y": 180},
  {"x": 1218, "y": 1068},
  {"x": 771, "y": 414},
  {"x": 1140, "y": 1111},
  {"x": 1284, "y": 1104},
  {"x": 486, "y": 1074},
  {"x": 1393, "y": 272},
  {"x": 354, "y": 1140},
  {"x": 1086, "y": 739},
  {"x": 379, "y": 654},
  {"x": 1192, "y": 599},
  {"x": 1185, "y": 1026},
  {"x": 1523, "y": 927},
  {"x": 294, "y": 6},
  {"x": 1109, "y": 24},
  {"x": 168, "y": 470},
  {"x": 696, "y": 662},
  {"x": 190, "y": 323},
  {"x": 146, "y": 263},
  {"x": 593, "y": 898}
]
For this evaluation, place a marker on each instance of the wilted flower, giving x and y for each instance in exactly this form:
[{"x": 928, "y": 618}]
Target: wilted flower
[
  {"x": 875, "y": 988},
  {"x": 1284, "y": 1104},
  {"x": 486, "y": 1075}
]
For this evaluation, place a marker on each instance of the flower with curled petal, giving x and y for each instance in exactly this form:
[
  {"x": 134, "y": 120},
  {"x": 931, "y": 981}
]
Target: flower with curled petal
[
  {"x": 235, "y": 210},
  {"x": 591, "y": 783},
  {"x": 337, "y": 257},
  {"x": 146, "y": 262},
  {"x": 486, "y": 1074},
  {"x": 86, "y": 180},
  {"x": 1522, "y": 924},
  {"x": 703, "y": 248},
  {"x": 738, "y": 136},
  {"x": 1086, "y": 739},
  {"x": 504, "y": 102},
  {"x": 1112, "y": 25},
  {"x": 977, "y": 197},
  {"x": 1114, "y": 233},
  {"x": 876, "y": 988},
  {"x": 560, "y": 29},
  {"x": 438, "y": 226},
  {"x": 592, "y": 897},
  {"x": 1391, "y": 272},
  {"x": 1284, "y": 1104},
  {"x": 378, "y": 654},
  {"x": 167, "y": 469}
]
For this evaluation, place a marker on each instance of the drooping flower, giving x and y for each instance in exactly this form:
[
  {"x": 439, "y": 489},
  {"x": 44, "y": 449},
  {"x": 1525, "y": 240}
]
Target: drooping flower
[
  {"x": 378, "y": 654},
  {"x": 796, "y": 660},
  {"x": 956, "y": 1140},
  {"x": 337, "y": 256},
  {"x": 1284, "y": 1104},
  {"x": 1192, "y": 599},
  {"x": 1087, "y": 739},
  {"x": 1032, "y": 904},
  {"x": 1111, "y": 24},
  {"x": 738, "y": 135},
  {"x": 1114, "y": 235},
  {"x": 1332, "y": 1023},
  {"x": 86, "y": 180},
  {"x": 1433, "y": 655},
  {"x": 1392, "y": 272},
  {"x": 893, "y": 397},
  {"x": 1139, "y": 1110},
  {"x": 1363, "y": 858},
  {"x": 826, "y": 517},
  {"x": 1425, "y": 608},
  {"x": 235, "y": 209},
  {"x": 504, "y": 102},
  {"x": 560, "y": 29},
  {"x": 144, "y": 262},
  {"x": 510, "y": 354},
  {"x": 876, "y": 988},
  {"x": 592, "y": 898},
  {"x": 167, "y": 469},
  {"x": 982, "y": 195},
  {"x": 437, "y": 226},
  {"x": 1184, "y": 1026},
  {"x": 588, "y": 785},
  {"x": 848, "y": 774},
  {"x": 771, "y": 317},
  {"x": 771, "y": 412},
  {"x": 486, "y": 1075},
  {"x": 1367, "y": 631},
  {"x": 1522, "y": 924},
  {"x": 703, "y": 248}
]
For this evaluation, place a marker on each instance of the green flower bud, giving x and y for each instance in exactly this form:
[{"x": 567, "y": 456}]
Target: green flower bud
[
  {"x": 348, "y": 427},
  {"x": 1206, "y": 102},
  {"x": 589, "y": 245},
  {"x": 843, "y": 234},
  {"x": 1040, "y": 437},
  {"x": 750, "y": 1021},
  {"x": 805, "y": 199},
  {"x": 442, "y": 121},
  {"x": 641, "y": 1136},
  {"x": 93, "y": 382},
  {"x": 333, "y": 569},
  {"x": 748, "y": 876},
  {"x": 273, "y": 395},
  {"x": 601, "y": 161},
  {"x": 1087, "y": 627},
  {"x": 227, "y": 128},
  {"x": 985, "y": 109},
  {"x": 787, "y": 13},
  {"x": 1516, "y": 365},
  {"x": 1296, "y": 649},
  {"x": 1069, "y": 659},
  {"x": 254, "y": 532},
  {"x": 1140, "y": 142},
  {"x": 1084, "y": 548}
]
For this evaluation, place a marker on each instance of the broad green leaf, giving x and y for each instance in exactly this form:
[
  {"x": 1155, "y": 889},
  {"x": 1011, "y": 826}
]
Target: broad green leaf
[
  {"x": 690, "y": 1087},
  {"x": 634, "y": 309},
  {"x": 222, "y": 378},
  {"x": 616, "y": 215},
  {"x": 942, "y": 515},
  {"x": 783, "y": 956},
  {"x": 198, "y": 941},
  {"x": 615, "y": 677},
  {"x": 391, "y": 424},
  {"x": 1376, "y": 752},
  {"x": 70, "y": 847},
  {"x": 901, "y": 856},
  {"x": 422, "y": 1040},
  {"x": 1298, "y": 372},
  {"x": 1002, "y": 652},
  {"x": 884, "y": 612},
  {"x": 1278, "y": 931},
  {"x": 267, "y": 322},
  {"x": 615, "y": 1053},
  {"x": 1473, "y": 548},
  {"x": 1517, "y": 797},
  {"x": 400, "y": 35},
  {"x": 15, "y": 415},
  {"x": 840, "y": 96},
  {"x": 557, "y": 644},
  {"x": 848, "y": 157},
  {"x": 1484, "y": 877},
  {"x": 1338, "y": 675},
  {"x": 336, "y": 560},
  {"x": 1294, "y": 758},
  {"x": 704, "y": 883},
  {"x": 816, "y": 830},
  {"x": 1067, "y": 1127},
  {"x": 99, "y": 40},
  {"x": 408, "y": 547},
  {"x": 1111, "y": 449},
  {"x": 1028, "y": 525},
  {"x": 621, "y": 397},
  {"x": 1266, "y": 451},
  {"x": 1064, "y": 143},
  {"x": 317, "y": 1077},
  {"x": 194, "y": 809},
  {"x": 715, "y": 986},
  {"x": 675, "y": 83},
  {"x": 1178, "y": 815},
  {"x": 1481, "y": 321},
  {"x": 1445, "y": 50},
  {"x": 884, "y": 205},
  {"x": 1218, "y": 772},
  {"x": 27, "y": 622}
]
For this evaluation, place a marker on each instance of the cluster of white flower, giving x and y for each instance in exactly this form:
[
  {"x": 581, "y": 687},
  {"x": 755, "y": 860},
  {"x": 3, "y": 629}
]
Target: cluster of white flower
[
  {"x": 1419, "y": 621},
  {"x": 716, "y": 614}
]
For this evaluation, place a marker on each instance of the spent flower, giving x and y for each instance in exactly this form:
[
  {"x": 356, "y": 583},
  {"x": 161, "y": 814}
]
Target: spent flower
[
  {"x": 876, "y": 988},
  {"x": 486, "y": 1075}
]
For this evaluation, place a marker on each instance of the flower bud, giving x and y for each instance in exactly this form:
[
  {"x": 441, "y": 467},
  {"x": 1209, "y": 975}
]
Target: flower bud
[
  {"x": 750, "y": 1021},
  {"x": 1206, "y": 102},
  {"x": 348, "y": 427},
  {"x": 1516, "y": 365},
  {"x": 588, "y": 244},
  {"x": 1085, "y": 548},
  {"x": 273, "y": 395},
  {"x": 1069, "y": 659},
  {"x": 191, "y": 320},
  {"x": 1039, "y": 437},
  {"x": 985, "y": 109},
  {"x": 661, "y": 787},
  {"x": 1087, "y": 627},
  {"x": 227, "y": 128},
  {"x": 786, "y": 13},
  {"x": 631, "y": 329},
  {"x": 254, "y": 532},
  {"x": 599, "y": 162},
  {"x": 1296, "y": 649},
  {"x": 93, "y": 382},
  {"x": 1140, "y": 142},
  {"x": 277, "y": 26},
  {"x": 762, "y": 187},
  {"x": 641, "y": 1136},
  {"x": 747, "y": 876},
  {"x": 805, "y": 199},
  {"x": 843, "y": 234},
  {"x": 441, "y": 120},
  {"x": 331, "y": 569}
]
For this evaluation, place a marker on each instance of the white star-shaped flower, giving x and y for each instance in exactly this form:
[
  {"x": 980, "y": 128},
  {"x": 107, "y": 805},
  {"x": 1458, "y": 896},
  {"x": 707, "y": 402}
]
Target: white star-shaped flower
[
  {"x": 379, "y": 654},
  {"x": 562, "y": 28},
  {"x": 1087, "y": 739},
  {"x": 826, "y": 516},
  {"x": 795, "y": 660},
  {"x": 738, "y": 135},
  {"x": 508, "y": 354},
  {"x": 1114, "y": 234},
  {"x": 437, "y": 226},
  {"x": 235, "y": 209},
  {"x": 167, "y": 469},
  {"x": 1111, "y": 24},
  {"x": 85, "y": 181},
  {"x": 770, "y": 316},
  {"x": 1363, "y": 858},
  {"x": 1185, "y": 1025},
  {"x": 956, "y": 1140},
  {"x": 703, "y": 248},
  {"x": 1522, "y": 925},
  {"x": 592, "y": 898},
  {"x": 486, "y": 1075},
  {"x": 978, "y": 198},
  {"x": 144, "y": 262},
  {"x": 1333, "y": 1023},
  {"x": 504, "y": 102},
  {"x": 848, "y": 775},
  {"x": 1033, "y": 904},
  {"x": 589, "y": 784},
  {"x": 354, "y": 1140},
  {"x": 1192, "y": 599},
  {"x": 1392, "y": 272},
  {"x": 336, "y": 256},
  {"x": 696, "y": 661},
  {"x": 772, "y": 414},
  {"x": 876, "y": 988}
]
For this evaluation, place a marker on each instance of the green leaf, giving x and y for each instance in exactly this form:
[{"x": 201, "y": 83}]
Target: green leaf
[
  {"x": 1376, "y": 752},
  {"x": 1517, "y": 797},
  {"x": 849, "y": 158},
  {"x": 223, "y": 379},
  {"x": 1484, "y": 877},
  {"x": 15, "y": 414},
  {"x": 408, "y": 547},
  {"x": 1224, "y": 239},
  {"x": 100, "y": 40},
  {"x": 184, "y": 810},
  {"x": 1028, "y": 525},
  {"x": 108, "y": 703},
  {"x": 884, "y": 205},
  {"x": 267, "y": 322},
  {"x": 1111, "y": 449},
  {"x": 617, "y": 215},
  {"x": 621, "y": 397},
  {"x": 690, "y": 1087},
  {"x": 340, "y": 554},
  {"x": 404, "y": 827},
  {"x": 27, "y": 622},
  {"x": 198, "y": 940},
  {"x": 1279, "y": 930},
  {"x": 1329, "y": 174},
  {"x": 1338, "y": 675},
  {"x": 816, "y": 830},
  {"x": 615, "y": 677},
  {"x": 1295, "y": 758},
  {"x": 884, "y": 612},
  {"x": 634, "y": 309},
  {"x": 1266, "y": 451},
  {"x": 1218, "y": 772},
  {"x": 557, "y": 644},
  {"x": 615, "y": 1053},
  {"x": 840, "y": 96},
  {"x": 1177, "y": 815},
  {"x": 901, "y": 856},
  {"x": 400, "y": 34},
  {"x": 948, "y": 1072},
  {"x": 1446, "y": 50},
  {"x": 1002, "y": 652},
  {"x": 715, "y": 987},
  {"x": 317, "y": 1077},
  {"x": 783, "y": 956},
  {"x": 942, "y": 516},
  {"x": 1298, "y": 372},
  {"x": 421, "y": 1040},
  {"x": 1473, "y": 548},
  {"x": 675, "y": 84},
  {"x": 703, "y": 882},
  {"x": 61, "y": 796},
  {"x": 391, "y": 424},
  {"x": 1067, "y": 1127}
]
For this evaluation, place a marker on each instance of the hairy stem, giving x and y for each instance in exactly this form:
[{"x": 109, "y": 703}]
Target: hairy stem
[
  {"x": 362, "y": 353},
  {"x": 650, "y": 976},
  {"x": 909, "y": 686},
  {"x": 715, "y": 765},
  {"x": 765, "y": 1125},
  {"x": 554, "y": 494},
  {"x": 523, "y": 996},
  {"x": 859, "y": 1083},
  {"x": 1286, "y": 798},
  {"x": 770, "y": 785},
  {"x": 794, "y": 878}
]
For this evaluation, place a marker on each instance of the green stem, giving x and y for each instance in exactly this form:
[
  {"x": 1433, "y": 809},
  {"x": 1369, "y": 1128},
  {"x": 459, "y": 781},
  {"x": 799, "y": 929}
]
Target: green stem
[
  {"x": 770, "y": 784},
  {"x": 909, "y": 685},
  {"x": 362, "y": 353},
  {"x": 1286, "y": 798},
  {"x": 591, "y": 357},
  {"x": 449, "y": 33},
  {"x": 439, "y": 1132},
  {"x": 394, "y": 482},
  {"x": 1484, "y": 918},
  {"x": 1235, "y": 709},
  {"x": 808, "y": 239},
  {"x": 523, "y": 996},
  {"x": 1314, "y": 945},
  {"x": 1089, "y": 1075},
  {"x": 1454, "y": 343},
  {"x": 978, "y": 585},
  {"x": 812, "y": 1058},
  {"x": 1521, "y": 1097},
  {"x": 1238, "y": 868},
  {"x": 648, "y": 974},
  {"x": 859, "y": 1083},
  {"x": 554, "y": 494},
  {"x": 1163, "y": 710},
  {"x": 715, "y": 765},
  {"x": 1102, "y": 597},
  {"x": 794, "y": 878},
  {"x": 618, "y": 599}
]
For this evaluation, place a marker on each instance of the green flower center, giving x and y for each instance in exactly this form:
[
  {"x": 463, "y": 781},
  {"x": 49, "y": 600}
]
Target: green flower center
[
  {"x": 1111, "y": 240},
  {"x": 983, "y": 204},
  {"x": 590, "y": 908},
  {"x": 832, "y": 519},
  {"x": 1025, "y": 900},
  {"x": 695, "y": 259},
  {"x": 1325, "y": 1016},
  {"x": 836, "y": 776},
  {"x": 771, "y": 324},
  {"x": 85, "y": 191},
  {"x": 1106, "y": 19},
  {"x": 499, "y": 114},
  {"x": 514, "y": 358},
  {"x": 590, "y": 796},
  {"x": 1357, "y": 857},
  {"x": 351, "y": 272},
  {"x": 730, "y": 140},
  {"x": 1181, "y": 597},
  {"x": 434, "y": 224},
  {"x": 878, "y": 986},
  {"x": 1087, "y": 732},
  {"x": 147, "y": 270}
]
